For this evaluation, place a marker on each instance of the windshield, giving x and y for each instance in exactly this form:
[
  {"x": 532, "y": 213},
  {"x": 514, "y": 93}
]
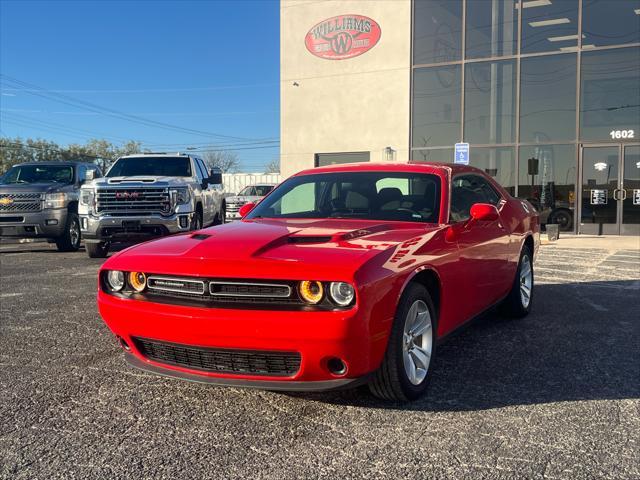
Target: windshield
[
  {"x": 38, "y": 174},
  {"x": 401, "y": 196},
  {"x": 256, "y": 190},
  {"x": 151, "y": 166}
]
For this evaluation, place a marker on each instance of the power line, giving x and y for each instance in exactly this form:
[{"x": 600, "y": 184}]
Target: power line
[{"x": 68, "y": 100}]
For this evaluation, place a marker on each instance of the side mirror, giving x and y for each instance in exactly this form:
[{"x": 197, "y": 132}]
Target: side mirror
[
  {"x": 484, "y": 212},
  {"x": 89, "y": 175},
  {"x": 246, "y": 208},
  {"x": 215, "y": 177}
]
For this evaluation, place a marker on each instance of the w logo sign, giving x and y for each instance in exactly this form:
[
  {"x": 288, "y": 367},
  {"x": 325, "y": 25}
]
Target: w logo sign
[
  {"x": 341, "y": 43},
  {"x": 342, "y": 37}
]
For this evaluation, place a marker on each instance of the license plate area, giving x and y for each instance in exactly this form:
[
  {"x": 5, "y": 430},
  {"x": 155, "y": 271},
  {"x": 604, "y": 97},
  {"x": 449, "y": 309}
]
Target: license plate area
[{"x": 131, "y": 225}]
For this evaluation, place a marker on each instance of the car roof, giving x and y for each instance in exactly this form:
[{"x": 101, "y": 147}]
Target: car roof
[
  {"x": 64, "y": 164},
  {"x": 159, "y": 154},
  {"x": 411, "y": 166}
]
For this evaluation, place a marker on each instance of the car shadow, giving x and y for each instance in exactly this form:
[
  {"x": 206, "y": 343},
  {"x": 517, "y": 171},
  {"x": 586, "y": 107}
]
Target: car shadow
[{"x": 579, "y": 343}]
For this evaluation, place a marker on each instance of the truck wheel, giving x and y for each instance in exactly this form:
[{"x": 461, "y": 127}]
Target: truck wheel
[
  {"x": 196, "y": 221},
  {"x": 223, "y": 214},
  {"x": 97, "y": 250},
  {"x": 406, "y": 368},
  {"x": 70, "y": 239},
  {"x": 563, "y": 218}
]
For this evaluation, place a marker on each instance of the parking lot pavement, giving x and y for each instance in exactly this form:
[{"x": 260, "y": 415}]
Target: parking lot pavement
[{"x": 554, "y": 395}]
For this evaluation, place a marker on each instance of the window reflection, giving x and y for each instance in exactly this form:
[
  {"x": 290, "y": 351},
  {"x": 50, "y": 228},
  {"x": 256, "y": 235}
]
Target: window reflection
[
  {"x": 436, "y": 106},
  {"x": 549, "y": 25},
  {"x": 547, "y": 178},
  {"x": 490, "y": 104},
  {"x": 492, "y": 28},
  {"x": 610, "y": 22},
  {"x": 437, "y": 31},
  {"x": 548, "y": 98},
  {"x": 498, "y": 163},
  {"x": 442, "y": 155},
  {"x": 610, "y": 95}
]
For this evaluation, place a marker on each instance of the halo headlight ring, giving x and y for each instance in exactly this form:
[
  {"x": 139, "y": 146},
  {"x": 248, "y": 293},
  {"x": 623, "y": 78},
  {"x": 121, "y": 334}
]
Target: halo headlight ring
[
  {"x": 138, "y": 281},
  {"x": 311, "y": 291},
  {"x": 115, "y": 280},
  {"x": 341, "y": 293}
]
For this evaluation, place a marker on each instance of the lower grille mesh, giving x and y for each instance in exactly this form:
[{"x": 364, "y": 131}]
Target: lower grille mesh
[{"x": 250, "y": 362}]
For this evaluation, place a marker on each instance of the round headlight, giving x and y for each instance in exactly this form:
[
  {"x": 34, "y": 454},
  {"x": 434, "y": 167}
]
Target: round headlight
[
  {"x": 115, "y": 279},
  {"x": 311, "y": 291},
  {"x": 341, "y": 293},
  {"x": 138, "y": 281}
]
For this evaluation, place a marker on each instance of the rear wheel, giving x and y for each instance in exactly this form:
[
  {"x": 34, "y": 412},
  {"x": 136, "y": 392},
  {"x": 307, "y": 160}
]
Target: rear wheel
[
  {"x": 70, "y": 239},
  {"x": 405, "y": 370},
  {"x": 518, "y": 302},
  {"x": 97, "y": 250}
]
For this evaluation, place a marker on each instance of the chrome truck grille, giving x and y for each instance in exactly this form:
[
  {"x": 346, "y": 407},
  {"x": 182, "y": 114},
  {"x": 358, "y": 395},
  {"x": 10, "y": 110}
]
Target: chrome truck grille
[
  {"x": 133, "y": 201},
  {"x": 20, "y": 202},
  {"x": 234, "y": 207}
]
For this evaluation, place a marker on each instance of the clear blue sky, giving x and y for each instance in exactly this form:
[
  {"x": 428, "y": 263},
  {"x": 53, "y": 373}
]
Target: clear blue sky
[{"x": 211, "y": 66}]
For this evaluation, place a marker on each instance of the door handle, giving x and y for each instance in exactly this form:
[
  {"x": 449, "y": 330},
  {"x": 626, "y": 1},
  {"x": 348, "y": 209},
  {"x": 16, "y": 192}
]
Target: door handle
[
  {"x": 624, "y": 192},
  {"x": 615, "y": 195}
]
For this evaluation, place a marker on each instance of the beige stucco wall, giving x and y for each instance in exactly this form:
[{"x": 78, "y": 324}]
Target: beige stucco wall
[{"x": 351, "y": 105}]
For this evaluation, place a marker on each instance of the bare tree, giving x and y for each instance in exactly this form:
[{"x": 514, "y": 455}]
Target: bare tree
[
  {"x": 273, "y": 166},
  {"x": 225, "y": 160}
]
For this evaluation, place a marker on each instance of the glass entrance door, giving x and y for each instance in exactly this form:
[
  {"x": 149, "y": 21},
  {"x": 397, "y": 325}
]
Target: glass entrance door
[
  {"x": 630, "y": 190},
  {"x": 610, "y": 193}
]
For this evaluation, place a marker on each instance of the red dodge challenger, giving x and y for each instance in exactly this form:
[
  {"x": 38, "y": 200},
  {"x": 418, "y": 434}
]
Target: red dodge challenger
[{"x": 341, "y": 275}]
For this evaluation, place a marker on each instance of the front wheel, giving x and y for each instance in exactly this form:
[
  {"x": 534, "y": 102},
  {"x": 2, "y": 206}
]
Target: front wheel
[
  {"x": 518, "y": 302},
  {"x": 97, "y": 250},
  {"x": 70, "y": 239},
  {"x": 405, "y": 371}
]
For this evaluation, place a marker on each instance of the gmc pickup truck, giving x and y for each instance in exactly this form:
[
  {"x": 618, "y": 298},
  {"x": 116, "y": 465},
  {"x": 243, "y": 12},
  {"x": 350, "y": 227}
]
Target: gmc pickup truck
[
  {"x": 149, "y": 195},
  {"x": 40, "y": 200}
]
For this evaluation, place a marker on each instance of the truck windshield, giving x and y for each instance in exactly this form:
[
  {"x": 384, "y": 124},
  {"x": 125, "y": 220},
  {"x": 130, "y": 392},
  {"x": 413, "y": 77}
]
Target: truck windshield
[
  {"x": 38, "y": 174},
  {"x": 256, "y": 190},
  {"x": 375, "y": 195},
  {"x": 151, "y": 166}
]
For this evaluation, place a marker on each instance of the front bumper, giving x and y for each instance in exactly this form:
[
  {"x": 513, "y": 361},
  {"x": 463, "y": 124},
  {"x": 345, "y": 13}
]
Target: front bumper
[
  {"x": 47, "y": 223},
  {"x": 317, "y": 336},
  {"x": 114, "y": 229}
]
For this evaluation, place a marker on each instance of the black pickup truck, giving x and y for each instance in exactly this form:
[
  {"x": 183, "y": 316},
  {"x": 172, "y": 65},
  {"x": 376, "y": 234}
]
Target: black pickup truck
[{"x": 40, "y": 200}]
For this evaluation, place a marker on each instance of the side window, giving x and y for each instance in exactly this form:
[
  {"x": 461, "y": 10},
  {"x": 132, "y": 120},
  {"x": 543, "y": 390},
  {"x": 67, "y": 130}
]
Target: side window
[
  {"x": 82, "y": 173},
  {"x": 203, "y": 167},
  {"x": 467, "y": 190},
  {"x": 200, "y": 176}
]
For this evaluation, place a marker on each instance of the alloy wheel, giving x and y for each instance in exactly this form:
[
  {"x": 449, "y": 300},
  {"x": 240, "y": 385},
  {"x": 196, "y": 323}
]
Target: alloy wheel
[
  {"x": 526, "y": 281},
  {"x": 74, "y": 232},
  {"x": 417, "y": 342}
]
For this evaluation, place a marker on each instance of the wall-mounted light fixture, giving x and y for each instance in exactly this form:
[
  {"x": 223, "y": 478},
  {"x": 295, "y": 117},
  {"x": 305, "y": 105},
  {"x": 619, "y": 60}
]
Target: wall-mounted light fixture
[{"x": 389, "y": 154}]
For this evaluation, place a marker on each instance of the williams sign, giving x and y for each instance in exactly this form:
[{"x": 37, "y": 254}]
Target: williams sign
[{"x": 344, "y": 36}]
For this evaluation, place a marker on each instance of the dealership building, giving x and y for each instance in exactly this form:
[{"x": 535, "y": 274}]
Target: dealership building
[{"x": 546, "y": 93}]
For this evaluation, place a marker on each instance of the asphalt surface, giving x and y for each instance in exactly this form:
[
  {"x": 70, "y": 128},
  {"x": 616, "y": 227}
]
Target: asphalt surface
[{"x": 554, "y": 395}]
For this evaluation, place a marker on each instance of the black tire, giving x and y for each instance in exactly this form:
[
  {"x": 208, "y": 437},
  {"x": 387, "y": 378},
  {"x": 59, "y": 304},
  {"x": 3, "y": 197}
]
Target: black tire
[
  {"x": 390, "y": 381},
  {"x": 196, "y": 221},
  {"x": 70, "y": 239},
  {"x": 514, "y": 305},
  {"x": 97, "y": 250},
  {"x": 221, "y": 216},
  {"x": 562, "y": 218}
]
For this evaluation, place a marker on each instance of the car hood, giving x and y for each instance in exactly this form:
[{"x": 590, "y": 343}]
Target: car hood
[
  {"x": 141, "y": 180},
  {"x": 242, "y": 198},
  {"x": 286, "y": 249},
  {"x": 6, "y": 188}
]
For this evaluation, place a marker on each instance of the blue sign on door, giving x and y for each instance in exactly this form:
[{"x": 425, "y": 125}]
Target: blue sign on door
[{"x": 462, "y": 154}]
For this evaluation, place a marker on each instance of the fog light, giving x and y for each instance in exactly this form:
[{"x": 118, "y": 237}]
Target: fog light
[
  {"x": 336, "y": 366},
  {"x": 311, "y": 291},
  {"x": 184, "y": 221},
  {"x": 115, "y": 279},
  {"x": 341, "y": 293},
  {"x": 51, "y": 221},
  {"x": 138, "y": 281}
]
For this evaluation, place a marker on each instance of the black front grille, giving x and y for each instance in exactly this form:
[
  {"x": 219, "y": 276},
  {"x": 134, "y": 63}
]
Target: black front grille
[
  {"x": 253, "y": 290},
  {"x": 20, "y": 202},
  {"x": 221, "y": 360}
]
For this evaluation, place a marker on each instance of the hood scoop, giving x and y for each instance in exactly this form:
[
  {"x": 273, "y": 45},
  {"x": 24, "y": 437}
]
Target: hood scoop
[
  {"x": 303, "y": 239},
  {"x": 200, "y": 236}
]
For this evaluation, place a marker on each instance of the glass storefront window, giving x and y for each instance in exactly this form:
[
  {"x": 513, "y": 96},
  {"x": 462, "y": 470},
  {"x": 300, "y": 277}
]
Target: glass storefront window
[
  {"x": 490, "y": 102},
  {"x": 547, "y": 178},
  {"x": 610, "y": 22},
  {"x": 610, "y": 95},
  {"x": 498, "y": 163},
  {"x": 436, "y": 106},
  {"x": 548, "y": 98},
  {"x": 437, "y": 34},
  {"x": 549, "y": 26},
  {"x": 492, "y": 28},
  {"x": 442, "y": 155}
]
